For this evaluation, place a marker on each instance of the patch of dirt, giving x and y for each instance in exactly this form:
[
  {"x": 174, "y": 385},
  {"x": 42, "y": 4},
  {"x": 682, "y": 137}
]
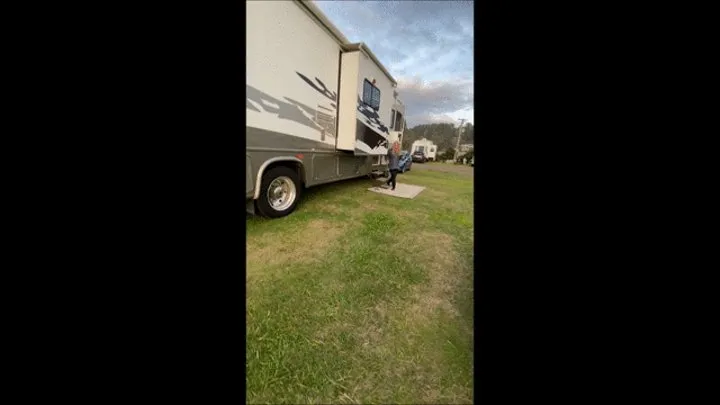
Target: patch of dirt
[
  {"x": 371, "y": 336},
  {"x": 293, "y": 246}
]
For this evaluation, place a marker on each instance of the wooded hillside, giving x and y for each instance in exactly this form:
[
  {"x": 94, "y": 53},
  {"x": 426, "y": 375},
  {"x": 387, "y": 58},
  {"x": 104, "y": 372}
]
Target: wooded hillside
[{"x": 443, "y": 135}]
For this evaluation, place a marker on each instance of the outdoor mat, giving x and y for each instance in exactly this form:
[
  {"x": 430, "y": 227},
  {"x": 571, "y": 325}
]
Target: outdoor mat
[{"x": 401, "y": 190}]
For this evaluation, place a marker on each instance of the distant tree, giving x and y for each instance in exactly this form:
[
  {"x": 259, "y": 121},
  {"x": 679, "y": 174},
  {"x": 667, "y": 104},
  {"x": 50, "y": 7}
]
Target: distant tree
[
  {"x": 448, "y": 154},
  {"x": 469, "y": 134},
  {"x": 468, "y": 155},
  {"x": 444, "y": 135}
]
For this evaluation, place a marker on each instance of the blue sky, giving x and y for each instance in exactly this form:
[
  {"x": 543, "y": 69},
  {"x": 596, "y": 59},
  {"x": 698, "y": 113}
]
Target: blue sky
[{"x": 426, "y": 45}]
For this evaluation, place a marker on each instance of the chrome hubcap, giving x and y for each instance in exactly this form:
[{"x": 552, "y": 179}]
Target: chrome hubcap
[{"x": 281, "y": 193}]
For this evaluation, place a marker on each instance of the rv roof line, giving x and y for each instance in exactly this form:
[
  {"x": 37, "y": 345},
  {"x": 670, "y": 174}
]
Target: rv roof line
[
  {"x": 364, "y": 48},
  {"x": 324, "y": 20},
  {"x": 344, "y": 42}
]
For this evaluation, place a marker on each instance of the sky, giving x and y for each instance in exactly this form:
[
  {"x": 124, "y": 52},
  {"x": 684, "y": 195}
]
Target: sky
[{"x": 426, "y": 45}]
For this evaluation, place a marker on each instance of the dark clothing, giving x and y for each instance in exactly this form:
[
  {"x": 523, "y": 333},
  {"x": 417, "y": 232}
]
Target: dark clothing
[
  {"x": 393, "y": 174},
  {"x": 392, "y": 160}
]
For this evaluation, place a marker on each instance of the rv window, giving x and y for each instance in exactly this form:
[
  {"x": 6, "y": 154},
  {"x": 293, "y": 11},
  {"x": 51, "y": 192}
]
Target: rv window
[
  {"x": 376, "y": 98},
  {"x": 398, "y": 124},
  {"x": 367, "y": 92},
  {"x": 392, "y": 118},
  {"x": 371, "y": 95}
]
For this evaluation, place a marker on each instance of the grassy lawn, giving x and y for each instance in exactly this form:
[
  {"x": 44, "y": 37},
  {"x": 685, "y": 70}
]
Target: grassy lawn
[{"x": 359, "y": 297}]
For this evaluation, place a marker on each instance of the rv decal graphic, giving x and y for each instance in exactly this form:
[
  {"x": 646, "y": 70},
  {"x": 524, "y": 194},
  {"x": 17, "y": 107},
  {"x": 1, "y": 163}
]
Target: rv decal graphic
[
  {"x": 372, "y": 139},
  {"x": 370, "y": 131},
  {"x": 324, "y": 91},
  {"x": 371, "y": 116},
  {"x": 323, "y": 121}
]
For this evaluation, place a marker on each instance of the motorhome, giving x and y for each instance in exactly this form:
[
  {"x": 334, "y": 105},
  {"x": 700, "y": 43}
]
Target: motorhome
[
  {"x": 425, "y": 146},
  {"x": 319, "y": 108}
]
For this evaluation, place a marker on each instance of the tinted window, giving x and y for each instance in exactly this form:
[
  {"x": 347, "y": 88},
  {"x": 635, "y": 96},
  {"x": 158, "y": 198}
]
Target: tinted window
[
  {"x": 398, "y": 123},
  {"x": 375, "y": 98},
  {"x": 367, "y": 92},
  {"x": 371, "y": 95}
]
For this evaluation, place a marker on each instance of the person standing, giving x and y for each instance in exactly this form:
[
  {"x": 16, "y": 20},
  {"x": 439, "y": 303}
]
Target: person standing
[{"x": 393, "y": 163}]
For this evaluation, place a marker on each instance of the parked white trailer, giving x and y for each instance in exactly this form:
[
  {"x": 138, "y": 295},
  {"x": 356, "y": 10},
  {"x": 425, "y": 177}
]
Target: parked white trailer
[
  {"x": 425, "y": 146},
  {"x": 319, "y": 108}
]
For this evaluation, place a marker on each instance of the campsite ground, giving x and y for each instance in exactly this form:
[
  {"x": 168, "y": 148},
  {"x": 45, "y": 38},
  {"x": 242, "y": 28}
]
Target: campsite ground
[
  {"x": 444, "y": 167},
  {"x": 361, "y": 297}
]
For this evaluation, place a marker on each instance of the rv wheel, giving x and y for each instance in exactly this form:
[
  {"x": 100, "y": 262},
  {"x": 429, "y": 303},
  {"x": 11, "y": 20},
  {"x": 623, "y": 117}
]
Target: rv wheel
[{"x": 279, "y": 192}]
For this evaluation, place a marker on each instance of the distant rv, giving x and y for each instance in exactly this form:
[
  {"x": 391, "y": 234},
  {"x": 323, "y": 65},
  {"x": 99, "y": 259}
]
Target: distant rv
[
  {"x": 319, "y": 109},
  {"x": 466, "y": 147},
  {"x": 426, "y": 147}
]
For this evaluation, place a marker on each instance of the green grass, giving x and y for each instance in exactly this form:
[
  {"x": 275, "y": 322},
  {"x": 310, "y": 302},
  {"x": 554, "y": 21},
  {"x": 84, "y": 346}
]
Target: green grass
[{"x": 359, "y": 297}]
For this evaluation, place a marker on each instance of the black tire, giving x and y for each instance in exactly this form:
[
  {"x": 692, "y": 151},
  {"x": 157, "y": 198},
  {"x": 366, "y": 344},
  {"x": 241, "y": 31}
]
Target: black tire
[{"x": 263, "y": 202}]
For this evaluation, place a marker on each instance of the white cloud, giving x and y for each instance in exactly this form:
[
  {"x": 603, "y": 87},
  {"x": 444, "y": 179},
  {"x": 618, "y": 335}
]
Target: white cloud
[
  {"x": 429, "y": 101},
  {"x": 466, "y": 114},
  {"x": 451, "y": 117},
  {"x": 426, "y": 46}
]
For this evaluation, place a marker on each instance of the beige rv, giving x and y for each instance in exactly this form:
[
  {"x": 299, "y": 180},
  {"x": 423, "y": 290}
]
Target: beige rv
[{"x": 319, "y": 108}]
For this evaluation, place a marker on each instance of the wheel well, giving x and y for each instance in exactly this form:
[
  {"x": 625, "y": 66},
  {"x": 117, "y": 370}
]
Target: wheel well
[{"x": 297, "y": 166}]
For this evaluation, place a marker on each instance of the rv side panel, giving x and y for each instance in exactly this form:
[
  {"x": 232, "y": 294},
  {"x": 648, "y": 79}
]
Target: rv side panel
[
  {"x": 348, "y": 101},
  {"x": 292, "y": 77},
  {"x": 373, "y": 138},
  {"x": 249, "y": 178}
]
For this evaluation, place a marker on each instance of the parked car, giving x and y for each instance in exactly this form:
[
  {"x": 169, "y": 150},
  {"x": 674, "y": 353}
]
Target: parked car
[
  {"x": 405, "y": 161},
  {"x": 419, "y": 157}
]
